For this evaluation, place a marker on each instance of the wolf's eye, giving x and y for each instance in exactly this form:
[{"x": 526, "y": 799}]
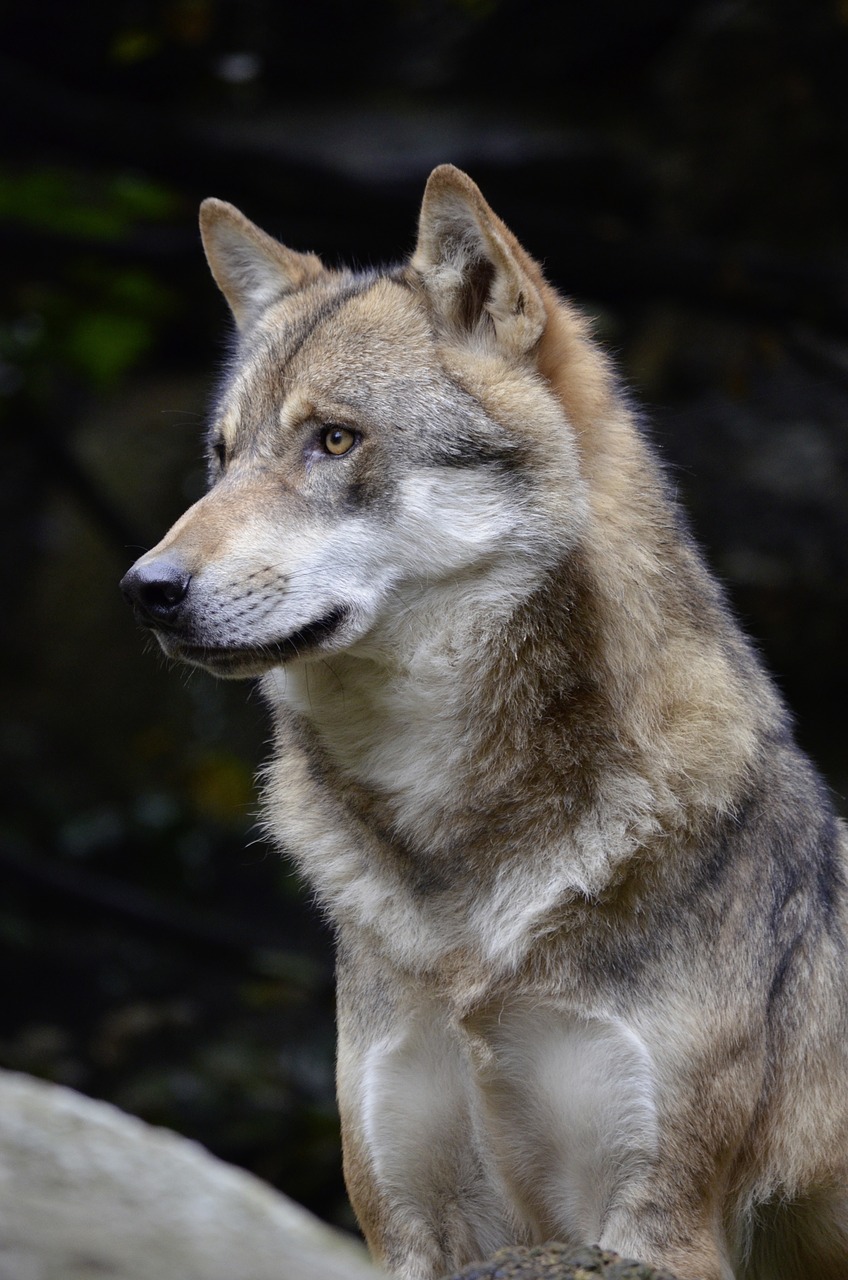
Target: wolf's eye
[
  {"x": 220, "y": 451},
  {"x": 337, "y": 440}
]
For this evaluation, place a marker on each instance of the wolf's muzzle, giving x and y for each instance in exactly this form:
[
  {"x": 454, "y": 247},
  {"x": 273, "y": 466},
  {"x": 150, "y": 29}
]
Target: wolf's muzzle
[{"x": 156, "y": 590}]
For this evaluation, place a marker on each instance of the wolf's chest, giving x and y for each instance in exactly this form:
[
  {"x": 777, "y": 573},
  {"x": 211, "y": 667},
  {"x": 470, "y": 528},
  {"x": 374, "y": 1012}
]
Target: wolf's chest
[
  {"x": 398, "y": 740},
  {"x": 556, "y": 1110}
]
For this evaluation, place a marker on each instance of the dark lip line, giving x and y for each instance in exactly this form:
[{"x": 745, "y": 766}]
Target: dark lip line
[{"x": 291, "y": 646}]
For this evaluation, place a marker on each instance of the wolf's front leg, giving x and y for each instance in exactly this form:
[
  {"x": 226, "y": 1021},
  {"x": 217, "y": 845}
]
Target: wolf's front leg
[
  {"x": 591, "y": 1149},
  {"x": 424, "y": 1196},
  {"x": 680, "y": 1235}
]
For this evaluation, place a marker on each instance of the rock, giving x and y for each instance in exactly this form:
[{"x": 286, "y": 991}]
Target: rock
[
  {"x": 89, "y": 1193},
  {"x": 554, "y": 1261}
]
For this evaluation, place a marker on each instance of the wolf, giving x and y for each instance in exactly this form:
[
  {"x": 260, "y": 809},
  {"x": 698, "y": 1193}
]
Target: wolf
[{"x": 588, "y": 894}]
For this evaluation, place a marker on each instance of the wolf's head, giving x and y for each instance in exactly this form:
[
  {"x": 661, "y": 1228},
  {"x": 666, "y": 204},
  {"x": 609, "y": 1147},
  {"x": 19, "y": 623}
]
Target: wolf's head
[{"x": 382, "y": 438}]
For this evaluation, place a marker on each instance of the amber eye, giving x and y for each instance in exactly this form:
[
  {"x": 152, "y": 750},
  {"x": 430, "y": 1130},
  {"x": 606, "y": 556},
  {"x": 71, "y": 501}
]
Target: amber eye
[
  {"x": 337, "y": 440},
  {"x": 220, "y": 451}
]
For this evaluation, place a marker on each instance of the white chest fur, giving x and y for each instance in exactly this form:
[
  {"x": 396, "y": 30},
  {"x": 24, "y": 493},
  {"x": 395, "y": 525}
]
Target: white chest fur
[
  {"x": 571, "y": 1112},
  {"x": 549, "y": 1114},
  {"x": 401, "y": 734}
]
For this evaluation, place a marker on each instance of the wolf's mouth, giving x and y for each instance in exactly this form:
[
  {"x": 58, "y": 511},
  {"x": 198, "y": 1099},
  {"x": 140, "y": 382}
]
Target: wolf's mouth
[{"x": 247, "y": 660}]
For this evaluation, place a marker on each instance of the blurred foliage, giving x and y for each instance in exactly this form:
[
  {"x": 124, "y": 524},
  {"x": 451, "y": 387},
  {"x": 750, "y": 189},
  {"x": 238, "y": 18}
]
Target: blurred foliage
[
  {"x": 679, "y": 165},
  {"x": 91, "y": 206},
  {"x": 87, "y": 320}
]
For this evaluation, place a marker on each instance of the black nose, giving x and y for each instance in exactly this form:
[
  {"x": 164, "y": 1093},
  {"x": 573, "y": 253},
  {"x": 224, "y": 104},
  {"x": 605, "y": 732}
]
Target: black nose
[{"x": 156, "y": 589}]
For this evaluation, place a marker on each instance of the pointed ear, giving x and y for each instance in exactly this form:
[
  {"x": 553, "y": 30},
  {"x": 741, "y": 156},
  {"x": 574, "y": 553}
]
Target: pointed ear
[
  {"x": 478, "y": 276},
  {"x": 250, "y": 268}
]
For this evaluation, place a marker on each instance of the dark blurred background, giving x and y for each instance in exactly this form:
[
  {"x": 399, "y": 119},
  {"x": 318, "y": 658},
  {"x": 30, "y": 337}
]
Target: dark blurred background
[{"x": 680, "y": 168}]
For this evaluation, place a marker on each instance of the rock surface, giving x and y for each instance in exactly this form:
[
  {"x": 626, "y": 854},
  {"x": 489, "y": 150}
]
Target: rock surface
[
  {"x": 554, "y": 1261},
  {"x": 89, "y": 1193}
]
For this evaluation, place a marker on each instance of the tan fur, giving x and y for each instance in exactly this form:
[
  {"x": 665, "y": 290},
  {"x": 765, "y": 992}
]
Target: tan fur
[{"x": 589, "y": 896}]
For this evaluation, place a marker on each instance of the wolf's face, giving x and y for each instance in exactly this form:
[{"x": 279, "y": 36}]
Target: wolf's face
[{"x": 377, "y": 442}]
